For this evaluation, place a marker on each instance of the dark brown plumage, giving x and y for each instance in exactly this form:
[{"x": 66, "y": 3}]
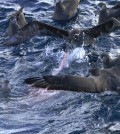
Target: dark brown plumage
[
  {"x": 108, "y": 62},
  {"x": 106, "y": 13},
  {"x": 79, "y": 36},
  {"x": 94, "y": 72},
  {"x": 105, "y": 79},
  {"x": 16, "y": 21},
  {"x": 65, "y": 9},
  {"x": 89, "y": 35},
  {"x": 34, "y": 28}
]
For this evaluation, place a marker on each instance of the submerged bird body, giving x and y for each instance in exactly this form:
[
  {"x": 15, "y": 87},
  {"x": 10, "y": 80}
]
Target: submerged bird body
[
  {"x": 66, "y": 9},
  {"x": 106, "y": 13},
  {"x": 19, "y": 17}
]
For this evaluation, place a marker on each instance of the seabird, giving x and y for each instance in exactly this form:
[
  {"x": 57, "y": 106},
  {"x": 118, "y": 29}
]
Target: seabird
[
  {"x": 106, "y": 13},
  {"x": 65, "y": 9},
  {"x": 76, "y": 35},
  {"x": 101, "y": 80},
  {"x": 105, "y": 80},
  {"x": 108, "y": 62},
  {"x": 19, "y": 16},
  {"x": 88, "y": 36},
  {"x": 35, "y": 28},
  {"x": 16, "y": 21}
]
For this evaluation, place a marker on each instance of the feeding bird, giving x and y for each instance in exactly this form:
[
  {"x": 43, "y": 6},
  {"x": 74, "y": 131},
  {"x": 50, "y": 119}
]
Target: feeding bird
[
  {"x": 78, "y": 36},
  {"x": 101, "y": 80}
]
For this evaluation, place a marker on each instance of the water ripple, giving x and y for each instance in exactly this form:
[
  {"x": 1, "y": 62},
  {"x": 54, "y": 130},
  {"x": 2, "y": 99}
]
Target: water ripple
[{"x": 27, "y": 110}]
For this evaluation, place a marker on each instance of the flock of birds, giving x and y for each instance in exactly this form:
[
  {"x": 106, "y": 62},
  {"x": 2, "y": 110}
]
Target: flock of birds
[{"x": 99, "y": 80}]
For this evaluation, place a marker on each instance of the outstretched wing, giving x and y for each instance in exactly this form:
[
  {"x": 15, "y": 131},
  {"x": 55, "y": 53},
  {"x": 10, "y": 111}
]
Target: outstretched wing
[
  {"x": 53, "y": 31},
  {"x": 23, "y": 34},
  {"x": 103, "y": 28},
  {"x": 68, "y": 82},
  {"x": 117, "y": 6},
  {"x": 34, "y": 28}
]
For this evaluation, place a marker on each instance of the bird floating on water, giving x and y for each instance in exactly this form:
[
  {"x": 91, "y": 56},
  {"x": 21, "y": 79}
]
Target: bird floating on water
[
  {"x": 16, "y": 21},
  {"x": 65, "y": 9},
  {"x": 106, "y": 13}
]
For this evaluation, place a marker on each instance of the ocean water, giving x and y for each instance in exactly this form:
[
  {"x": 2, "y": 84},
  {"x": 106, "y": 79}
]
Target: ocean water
[{"x": 28, "y": 110}]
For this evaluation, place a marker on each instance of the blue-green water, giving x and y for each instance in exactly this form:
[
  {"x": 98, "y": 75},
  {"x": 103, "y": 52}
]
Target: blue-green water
[{"x": 32, "y": 111}]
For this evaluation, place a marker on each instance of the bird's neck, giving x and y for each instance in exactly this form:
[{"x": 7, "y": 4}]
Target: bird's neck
[{"x": 107, "y": 63}]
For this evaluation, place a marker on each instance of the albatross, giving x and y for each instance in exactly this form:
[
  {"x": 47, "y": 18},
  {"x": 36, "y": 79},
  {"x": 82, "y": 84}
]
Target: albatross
[
  {"x": 102, "y": 80},
  {"x": 76, "y": 35},
  {"x": 65, "y": 9},
  {"x": 16, "y": 21},
  {"x": 106, "y": 13}
]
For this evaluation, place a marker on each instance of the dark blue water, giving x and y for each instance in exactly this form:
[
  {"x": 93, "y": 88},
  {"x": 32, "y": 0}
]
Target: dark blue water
[{"x": 31, "y": 111}]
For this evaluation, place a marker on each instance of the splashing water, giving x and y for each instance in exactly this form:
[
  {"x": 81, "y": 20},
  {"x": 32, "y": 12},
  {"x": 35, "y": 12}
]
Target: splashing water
[
  {"x": 62, "y": 64},
  {"x": 37, "y": 111}
]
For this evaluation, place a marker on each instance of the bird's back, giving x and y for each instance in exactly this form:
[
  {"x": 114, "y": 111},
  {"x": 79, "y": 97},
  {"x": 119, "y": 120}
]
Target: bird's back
[{"x": 66, "y": 9}]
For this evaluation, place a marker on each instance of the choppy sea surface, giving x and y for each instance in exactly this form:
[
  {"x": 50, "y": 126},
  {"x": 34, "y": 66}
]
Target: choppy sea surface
[{"x": 37, "y": 111}]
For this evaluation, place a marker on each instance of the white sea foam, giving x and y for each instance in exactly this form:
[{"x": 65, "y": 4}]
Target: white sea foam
[{"x": 115, "y": 127}]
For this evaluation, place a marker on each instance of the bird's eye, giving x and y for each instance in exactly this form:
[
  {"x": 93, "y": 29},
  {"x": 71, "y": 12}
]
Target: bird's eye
[{"x": 76, "y": 36}]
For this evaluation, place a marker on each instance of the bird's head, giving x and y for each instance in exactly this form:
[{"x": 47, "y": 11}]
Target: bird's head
[
  {"x": 19, "y": 18},
  {"x": 105, "y": 59},
  {"x": 100, "y": 7}
]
